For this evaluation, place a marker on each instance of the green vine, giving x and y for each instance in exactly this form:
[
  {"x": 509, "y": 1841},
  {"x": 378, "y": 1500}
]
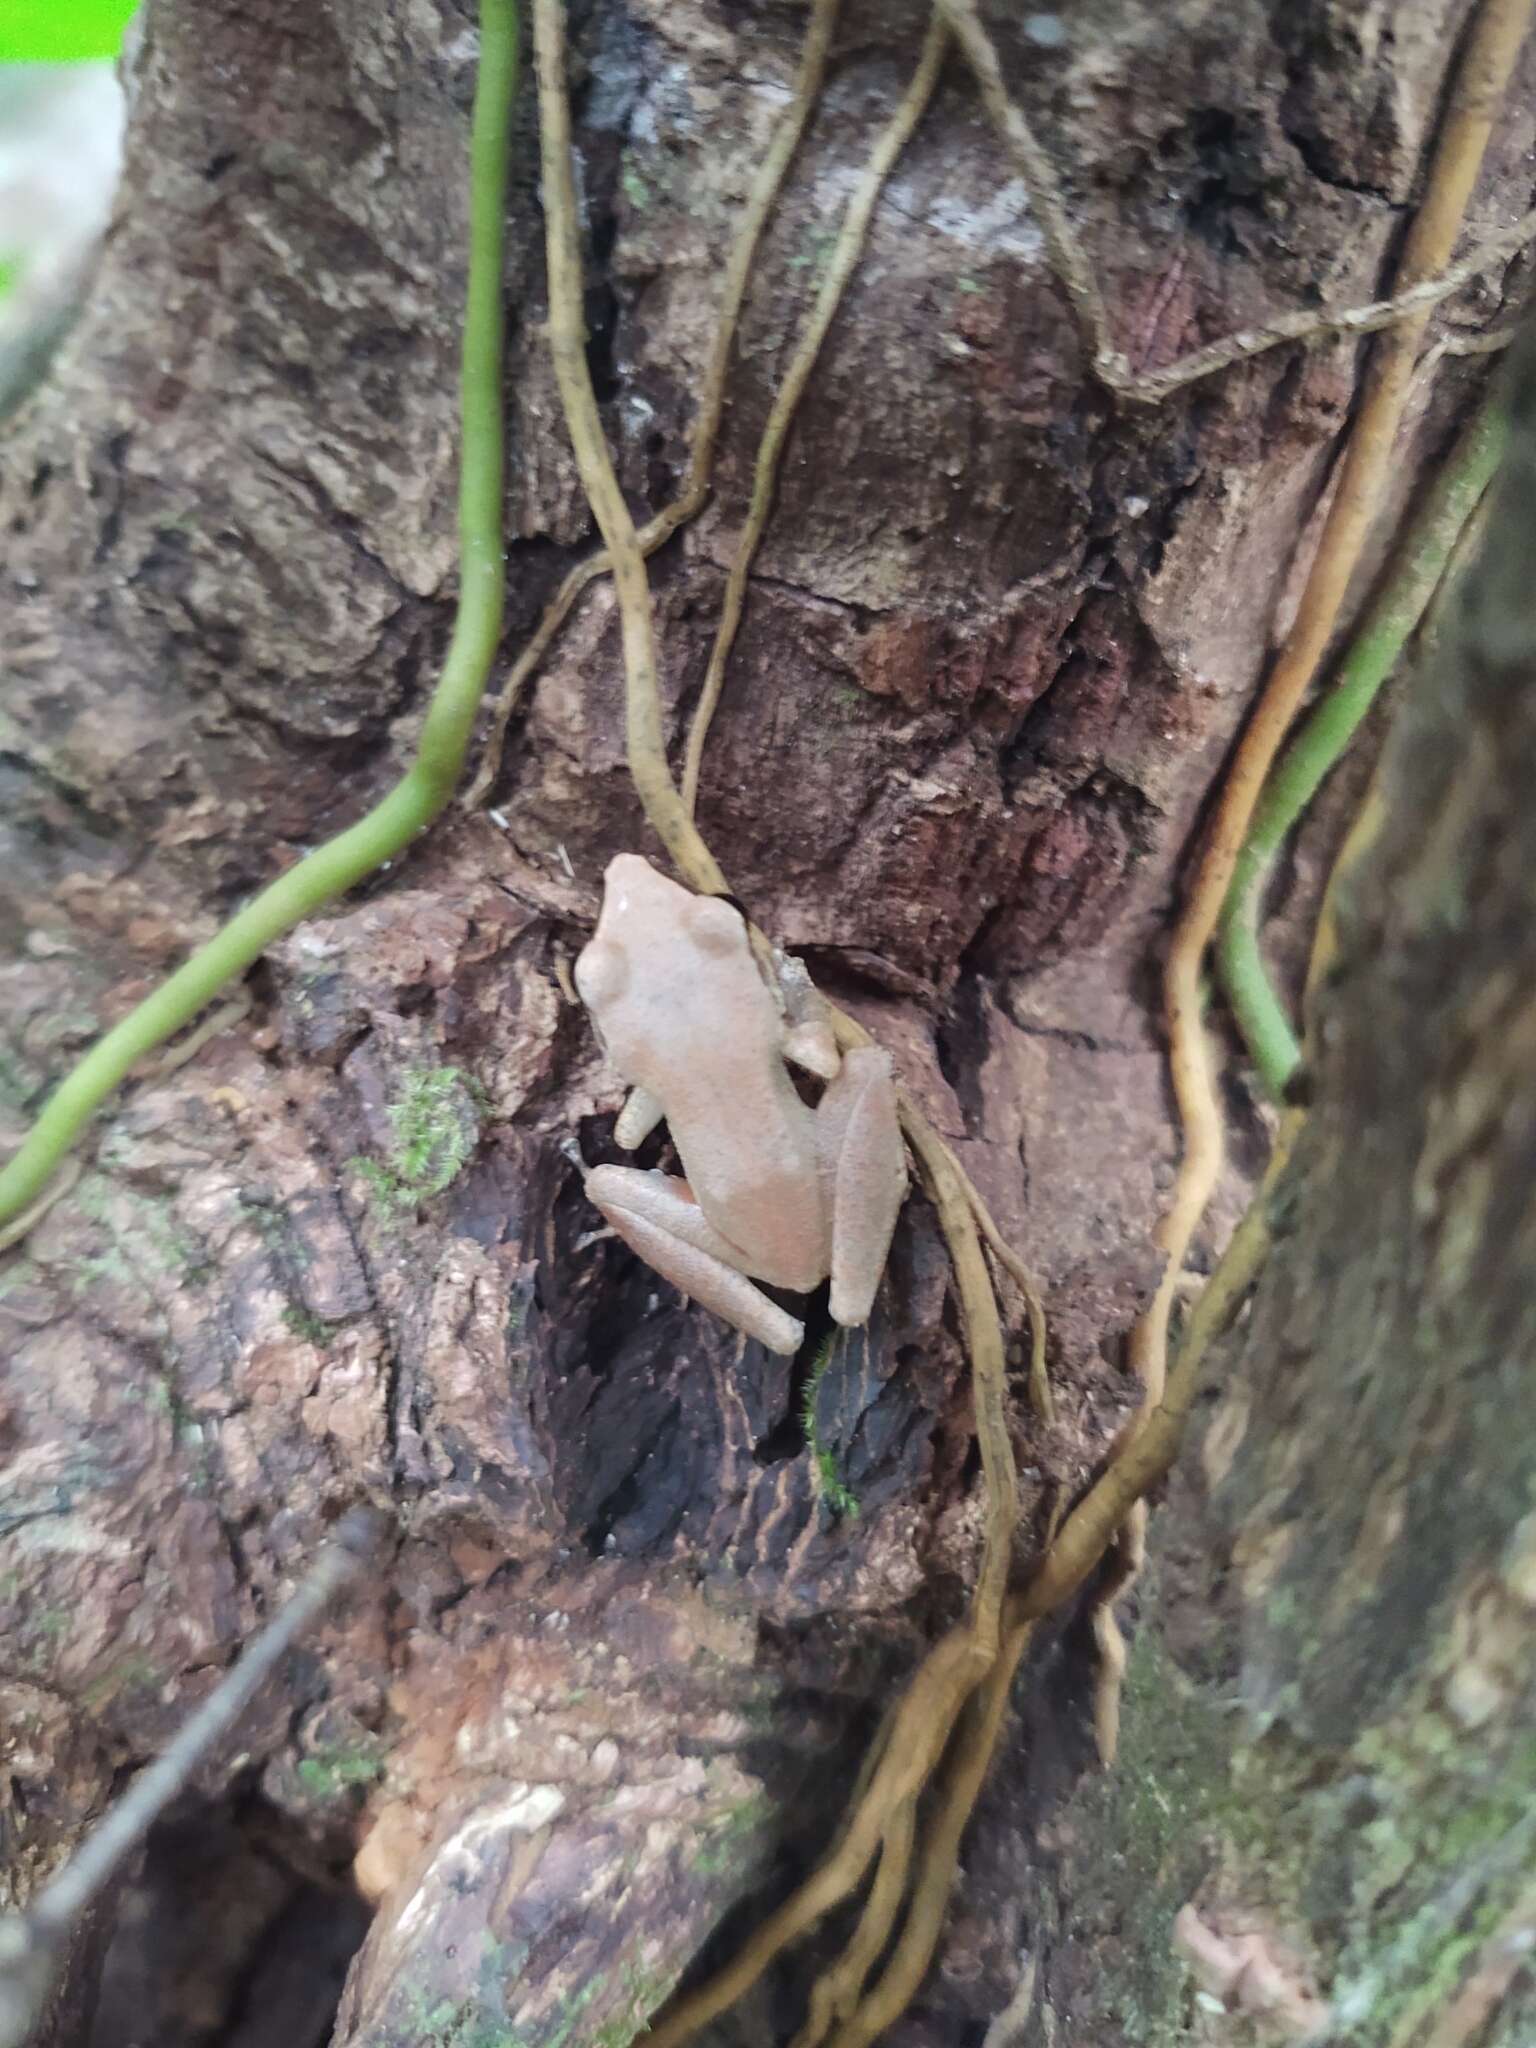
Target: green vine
[
  {"x": 429, "y": 782},
  {"x": 1421, "y": 564}
]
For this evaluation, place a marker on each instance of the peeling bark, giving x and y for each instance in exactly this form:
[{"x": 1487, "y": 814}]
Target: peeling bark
[{"x": 999, "y": 642}]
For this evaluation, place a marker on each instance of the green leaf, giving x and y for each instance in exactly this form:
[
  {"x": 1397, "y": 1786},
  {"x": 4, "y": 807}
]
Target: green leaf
[{"x": 62, "y": 31}]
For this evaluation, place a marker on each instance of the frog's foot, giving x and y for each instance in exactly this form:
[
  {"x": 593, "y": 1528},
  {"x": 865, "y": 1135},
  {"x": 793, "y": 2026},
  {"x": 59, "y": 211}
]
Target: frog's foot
[
  {"x": 637, "y": 1119},
  {"x": 858, "y": 1134},
  {"x": 656, "y": 1216}
]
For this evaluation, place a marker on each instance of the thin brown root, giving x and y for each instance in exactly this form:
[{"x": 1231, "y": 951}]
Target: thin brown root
[
  {"x": 1489, "y": 343},
  {"x": 738, "y": 268},
  {"x": 1150, "y": 387},
  {"x": 1491, "y": 49},
  {"x": 869, "y": 1763},
  {"x": 223, "y": 1019},
  {"x": 786, "y": 138},
  {"x": 846, "y": 252},
  {"x": 567, "y": 344},
  {"x": 1069, "y": 260},
  {"x": 959, "y": 1208},
  {"x": 1041, "y": 1398},
  {"x": 23, "y": 1225},
  {"x": 939, "y": 1859},
  {"x": 1007, "y": 2029},
  {"x": 929, "y": 1709},
  {"x": 923, "y": 1722},
  {"x": 838, "y": 1989},
  {"x": 921, "y": 1726},
  {"x": 1425, "y": 285},
  {"x": 1128, "y": 1556},
  {"x": 989, "y": 1371},
  {"x": 1151, "y": 1440}
]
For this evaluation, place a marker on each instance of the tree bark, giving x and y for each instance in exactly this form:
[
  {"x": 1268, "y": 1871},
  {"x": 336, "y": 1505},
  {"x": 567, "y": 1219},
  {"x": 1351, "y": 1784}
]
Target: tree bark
[{"x": 999, "y": 639}]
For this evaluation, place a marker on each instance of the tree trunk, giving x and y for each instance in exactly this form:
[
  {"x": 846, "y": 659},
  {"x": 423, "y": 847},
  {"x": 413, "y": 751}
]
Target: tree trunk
[
  {"x": 999, "y": 639},
  {"x": 1331, "y": 1765}
]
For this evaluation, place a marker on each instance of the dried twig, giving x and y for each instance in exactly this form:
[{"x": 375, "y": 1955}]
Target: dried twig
[{"x": 31, "y": 1944}]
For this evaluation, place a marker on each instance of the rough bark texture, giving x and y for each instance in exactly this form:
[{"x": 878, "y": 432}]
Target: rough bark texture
[{"x": 997, "y": 646}]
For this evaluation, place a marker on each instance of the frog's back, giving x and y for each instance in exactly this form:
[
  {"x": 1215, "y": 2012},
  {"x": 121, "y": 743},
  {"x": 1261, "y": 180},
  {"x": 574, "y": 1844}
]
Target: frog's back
[
  {"x": 685, "y": 1014},
  {"x": 747, "y": 1144}
]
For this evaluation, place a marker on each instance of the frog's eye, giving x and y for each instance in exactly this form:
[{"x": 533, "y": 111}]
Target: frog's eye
[
  {"x": 602, "y": 974},
  {"x": 715, "y": 926}
]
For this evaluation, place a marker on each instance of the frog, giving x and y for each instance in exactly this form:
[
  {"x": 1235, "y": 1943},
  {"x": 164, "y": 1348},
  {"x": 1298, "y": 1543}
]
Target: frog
[{"x": 773, "y": 1189}]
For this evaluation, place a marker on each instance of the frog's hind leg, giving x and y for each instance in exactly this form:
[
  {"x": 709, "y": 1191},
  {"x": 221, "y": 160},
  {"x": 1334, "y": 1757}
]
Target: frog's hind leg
[
  {"x": 864, "y": 1166},
  {"x": 657, "y": 1216}
]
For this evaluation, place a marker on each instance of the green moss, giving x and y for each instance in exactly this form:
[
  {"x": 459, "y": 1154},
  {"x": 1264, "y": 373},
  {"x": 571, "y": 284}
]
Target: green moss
[
  {"x": 642, "y": 1991},
  {"x": 433, "y": 1137},
  {"x": 434, "y": 1126},
  {"x": 848, "y": 701},
  {"x": 306, "y": 1324},
  {"x": 1399, "y": 1857},
  {"x": 835, "y": 1491},
  {"x": 1147, "y": 1830},
  {"x": 634, "y": 187},
  {"x": 730, "y": 1839},
  {"x": 461, "y": 2024},
  {"x": 330, "y": 1773},
  {"x": 132, "y": 1674},
  {"x": 470, "y": 2022},
  {"x": 1433, "y": 1871}
]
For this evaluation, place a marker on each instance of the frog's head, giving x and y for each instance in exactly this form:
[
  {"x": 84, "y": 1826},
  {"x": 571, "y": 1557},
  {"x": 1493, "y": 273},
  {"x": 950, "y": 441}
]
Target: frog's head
[{"x": 658, "y": 952}]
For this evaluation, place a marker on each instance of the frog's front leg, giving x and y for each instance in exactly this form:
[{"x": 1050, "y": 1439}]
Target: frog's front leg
[
  {"x": 864, "y": 1170},
  {"x": 657, "y": 1216}
]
